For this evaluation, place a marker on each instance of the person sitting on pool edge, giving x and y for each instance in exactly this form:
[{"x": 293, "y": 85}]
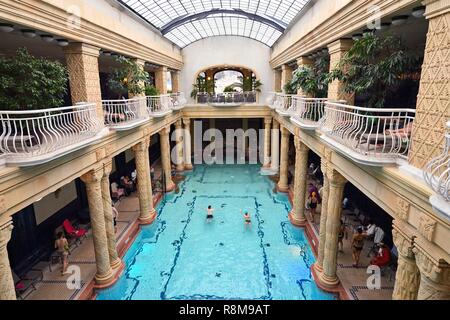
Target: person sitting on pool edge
[
  {"x": 247, "y": 219},
  {"x": 209, "y": 215}
]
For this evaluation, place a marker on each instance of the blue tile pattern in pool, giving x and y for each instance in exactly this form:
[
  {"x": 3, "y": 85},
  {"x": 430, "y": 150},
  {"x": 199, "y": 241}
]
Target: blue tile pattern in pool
[{"x": 181, "y": 256}]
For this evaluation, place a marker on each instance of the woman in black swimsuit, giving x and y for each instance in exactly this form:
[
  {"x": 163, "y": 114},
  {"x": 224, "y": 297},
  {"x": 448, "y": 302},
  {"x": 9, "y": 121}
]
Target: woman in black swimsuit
[
  {"x": 209, "y": 214},
  {"x": 247, "y": 219}
]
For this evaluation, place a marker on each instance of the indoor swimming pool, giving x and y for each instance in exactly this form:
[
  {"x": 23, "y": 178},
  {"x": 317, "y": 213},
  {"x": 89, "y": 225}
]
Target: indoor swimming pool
[{"x": 182, "y": 256}]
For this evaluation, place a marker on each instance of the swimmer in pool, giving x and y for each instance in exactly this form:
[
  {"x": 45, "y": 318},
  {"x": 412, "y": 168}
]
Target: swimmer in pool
[
  {"x": 209, "y": 214},
  {"x": 247, "y": 219}
]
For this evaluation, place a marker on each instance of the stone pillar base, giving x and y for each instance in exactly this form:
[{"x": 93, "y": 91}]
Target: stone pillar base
[
  {"x": 283, "y": 189},
  {"x": 104, "y": 280},
  {"x": 180, "y": 168},
  {"x": 148, "y": 220},
  {"x": 171, "y": 187},
  {"x": 116, "y": 264},
  {"x": 188, "y": 166},
  {"x": 327, "y": 282},
  {"x": 295, "y": 221},
  {"x": 318, "y": 269}
]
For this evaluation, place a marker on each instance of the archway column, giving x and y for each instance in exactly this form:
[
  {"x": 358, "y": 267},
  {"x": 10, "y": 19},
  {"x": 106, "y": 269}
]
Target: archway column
[
  {"x": 283, "y": 185},
  {"x": 7, "y": 289},
  {"x": 161, "y": 79},
  {"x": 165, "y": 158},
  {"x": 328, "y": 278},
  {"x": 267, "y": 137},
  {"x": 286, "y": 75},
  {"x": 304, "y": 62},
  {"x": 92, "y": 180},
  {"x": 179, "y": 140},
  {"x": 187, "y": 144},
  {"x": 144, "y": 185},
  {"x": 337, "y": 50},
  {"x": 297, "y": 215},
  {"x": 275, "y": 152},
  {"x": 114, "y": 259}
]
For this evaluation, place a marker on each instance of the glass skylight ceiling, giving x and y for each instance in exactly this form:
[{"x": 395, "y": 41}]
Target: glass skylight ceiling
[{"x": 186, "y": 21}]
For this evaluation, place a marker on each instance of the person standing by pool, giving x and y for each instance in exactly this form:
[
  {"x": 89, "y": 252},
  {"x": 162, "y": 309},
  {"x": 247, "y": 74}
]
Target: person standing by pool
[
  {"x": 209, "y": 214},
  {"x": 357, "y": 245},
  {"x": 247, "y": 219},
  {"x": 62, "y": 246}
]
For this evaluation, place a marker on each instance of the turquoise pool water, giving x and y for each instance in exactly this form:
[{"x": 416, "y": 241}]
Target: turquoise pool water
[{"x": 181, "y": 256}]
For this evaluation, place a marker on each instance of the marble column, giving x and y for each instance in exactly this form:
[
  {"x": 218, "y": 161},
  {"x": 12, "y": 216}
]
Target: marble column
[
  {"x": 407, "y": 278},
  {"x": 92, "y": 179},
  {"x": 187, "y": 144},
  {"x": 114, "y": 259},
  {"x": 286, "y": 75},
  {"x": 304, "y": 62},
  {"x": 337, "y": 50},
  {"x": 165, "y": 158},
  {"x": 161, "y": 79},
  {"x": 328, "y": 277},
  {"x": 244, "y": 140},
  {"x": 84, "y": 76},
  {"x": 434, "y": 276},
  {"x": 323, "y": 217},
  {"x": 275, "y": 152},
  {"x": 144, "y": 185},
  {"x": 277, "y": 80},
  {"x": 283, "y": 185},
  {"x": 175, "y": 81},
  {"x": 267, "y": 127},
  {"x": 297, "y": 215},
  {"x": 7, "y": 288},
  {"x": 179, "y": 137}
]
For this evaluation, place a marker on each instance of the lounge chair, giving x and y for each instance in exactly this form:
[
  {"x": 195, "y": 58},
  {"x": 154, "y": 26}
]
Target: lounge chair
[
  {"x": 72, "y": 232},
  {"x": 26, "y": 285}
]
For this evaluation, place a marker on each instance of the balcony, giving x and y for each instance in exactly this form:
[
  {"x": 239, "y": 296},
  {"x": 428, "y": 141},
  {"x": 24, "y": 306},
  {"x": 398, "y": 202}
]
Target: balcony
[
  {"x": 32, "y": 137},
  {"x": 283, "y": 104},
  {"x": 307, "y": 112},
  {"x": 227, "y": 99},
  {"x": 437, "y": 176},
  {"x": 369, "y": 136},
  {"x": 125, "y": 114},
  {"x": 178, "y": 100},
  {"x": 159, "y": 106}
]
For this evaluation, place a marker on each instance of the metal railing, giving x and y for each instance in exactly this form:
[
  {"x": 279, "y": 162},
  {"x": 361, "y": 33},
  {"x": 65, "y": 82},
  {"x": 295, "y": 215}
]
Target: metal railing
[
  {"x": 283, "y": 103},
  {"x": 379, "y": 135},
  {"x": 307, "y": 112},
  {"x": 125, "y": 114},
  {"x": 36, "y": 135},
  {"x": 437, "y": 171},
  {"x": 159, "y": 106},
  {"x": 227, "y": 98},
  {"x": 178, "y": 100}
]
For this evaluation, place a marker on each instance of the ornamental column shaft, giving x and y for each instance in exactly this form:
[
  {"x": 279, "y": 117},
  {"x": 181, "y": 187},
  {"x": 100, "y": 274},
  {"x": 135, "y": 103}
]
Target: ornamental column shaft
[
  {"x": 114, "y": 259},
  {"x": 7, "y": 288},
  {"x": 407, "y": 278},
  {"x": 175, "y": 81},
  {"x": 283, "y": 185},
  {"x": 337, "y": 50},
  {"x": 267, "y": 124},
  {"x": 84, "y": 76},
  {"x": 179, "y": 137},
  {"x": 144, "y": 184},
  {"x": 161, "y": 79},
  {"x": 92, "y": 179},
  {"x": 297, "y": 215},
  {"x": 165, "y": 158},
  {"x": 304, "y": 62},
  {"x": 277, "y": 80},
  {"x": 187, "y": 144},
  {"x": 286, "y": 75},
  {"x": 275, "y": 152},
  {"x": 337, "y": 182},
  {"x": 323, "y": 217}
]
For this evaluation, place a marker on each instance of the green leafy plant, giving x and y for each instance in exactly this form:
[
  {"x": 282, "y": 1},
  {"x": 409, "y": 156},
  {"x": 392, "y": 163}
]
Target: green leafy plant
[
  {"x": 151, "y": 91},
  {"x": 194, "y": 92},
  {"x": 313, "y": 80},
  {"x": 373, "y": 68},
  {"x": 30, "y": 83},
  {"x": 128, "y": 78},
  {"x": 229, "y": 89},
  {"x": 249, "y": 84}
]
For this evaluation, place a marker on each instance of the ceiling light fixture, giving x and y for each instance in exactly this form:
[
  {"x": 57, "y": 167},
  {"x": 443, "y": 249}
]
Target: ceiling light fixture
[
  {"x": 399, "y": 20},
  {"x": 357, "y": 36},
  {"x": 47, "y": 38},
  {"x": 63, "y": 42},
  {"x": 29, "y": 33},
  {"x": 6, "y": 27},
  {"x": 418, "y": 12}
]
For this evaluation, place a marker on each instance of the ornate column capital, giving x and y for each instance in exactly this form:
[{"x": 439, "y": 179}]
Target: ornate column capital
[
  {"x": 82, "y": 48},
  {"x": 285, "y": 132},
  {"x": 276, "y": 124},
  {"x": 165, "y": 131},
  {"x": 340, "y": 45},
  {"x": 178, "y": 124},
  {"x": 335, "y": 178},
  {"x": 141, "y": 146},
  {"x": 436, "y": 7},
  {"x": 107, "y": 168},
  {"x": 267, "y": 121},
  {"x": 300, "y": 147},
  {"x": 93, "y": 176},
  {"x": 403, "y": 243},
  {"x": 304, "y": 61},
  {"x": 437, "y": 271},
  {"x": 187, "y": 122}
]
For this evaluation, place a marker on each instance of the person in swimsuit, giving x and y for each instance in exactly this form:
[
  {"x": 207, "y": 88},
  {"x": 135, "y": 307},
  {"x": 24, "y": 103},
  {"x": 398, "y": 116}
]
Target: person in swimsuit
[
  {"x": 357, "y": 245},
  {"x": 62, "y": 247},
  {"x": 313, "y": 200},
  {"x": 209, "y": 214},
  {"x": 341, "y": 234},
  {"x": 115, "y": 213},
  {"x": 247, "y": 219}
]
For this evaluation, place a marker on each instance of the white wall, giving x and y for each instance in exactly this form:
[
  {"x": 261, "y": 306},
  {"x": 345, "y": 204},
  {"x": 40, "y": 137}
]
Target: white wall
[{"x": 229, "y": 50}]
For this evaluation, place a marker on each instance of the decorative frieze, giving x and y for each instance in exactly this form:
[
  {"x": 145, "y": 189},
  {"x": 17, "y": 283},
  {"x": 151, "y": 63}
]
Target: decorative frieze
[{"x": 427, "y": 227}]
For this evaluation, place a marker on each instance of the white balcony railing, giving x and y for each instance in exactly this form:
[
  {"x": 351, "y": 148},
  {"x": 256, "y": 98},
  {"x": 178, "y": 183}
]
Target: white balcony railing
[
  {"x": 307, "y": 112},
  {"x": 125, "y": 114},
  {"x": 283, "y": 104},
  {"x": 368, "y": 136},
  {"x": 31, "y": 137},
  {"x": 178, "y": 100},
  {"x": 437, "y": 176},
  {"x": 227, "y": 98},
  {"x": 159, "y": 106}
]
